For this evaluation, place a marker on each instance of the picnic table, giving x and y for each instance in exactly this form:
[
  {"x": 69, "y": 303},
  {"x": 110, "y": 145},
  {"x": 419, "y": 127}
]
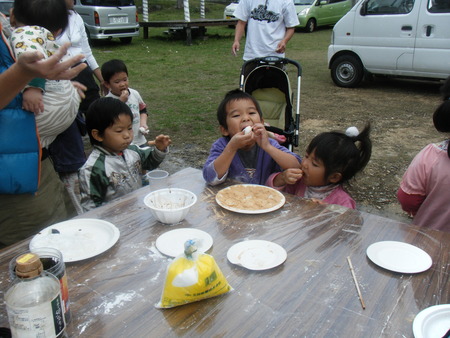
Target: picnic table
[
  {"x": 187, "y": 26},
  {"x": 311, "y": 294}
]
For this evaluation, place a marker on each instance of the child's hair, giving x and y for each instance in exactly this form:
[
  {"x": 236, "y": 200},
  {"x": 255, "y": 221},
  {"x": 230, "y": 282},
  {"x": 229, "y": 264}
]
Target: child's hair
[
  {"x": 111, "y": 67},
  {"x": 233, "y": 95},
  {"x": 340, "y": 154},
  {"x": 50, "y": 14},
  {"x": 102, "y": 113},
  {"x": 441, "y": 117}
]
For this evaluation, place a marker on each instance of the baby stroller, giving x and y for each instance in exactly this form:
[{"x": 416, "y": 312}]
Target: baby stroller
[{"x": 268, "y": 82}]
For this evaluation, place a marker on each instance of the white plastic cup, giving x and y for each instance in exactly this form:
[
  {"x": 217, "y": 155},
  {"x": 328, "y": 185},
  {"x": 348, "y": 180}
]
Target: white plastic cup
[{"x": 157, "y": 178}]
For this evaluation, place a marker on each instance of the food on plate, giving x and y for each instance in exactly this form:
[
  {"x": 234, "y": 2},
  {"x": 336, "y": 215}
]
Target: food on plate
[{"x": 249, "y": 197}]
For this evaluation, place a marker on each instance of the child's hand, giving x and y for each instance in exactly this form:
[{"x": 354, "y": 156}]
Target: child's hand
[
  {"x": 124, "y": 95},
  {"x": 262, "y": 137},
  {"x": 80, "y": 88},
  {"x": 32, "y": 100},
  {"x": 292, "y": 175},
  {"x": 242, "y": 140},
  {"x": 161, "y": 142},
  {"x": 289, "y": 176},
  {"x": 315, "y": 200}
]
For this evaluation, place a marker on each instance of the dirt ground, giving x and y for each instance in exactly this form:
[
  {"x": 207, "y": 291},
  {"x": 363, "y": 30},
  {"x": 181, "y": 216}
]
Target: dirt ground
[{"x": 400, "y": 113}]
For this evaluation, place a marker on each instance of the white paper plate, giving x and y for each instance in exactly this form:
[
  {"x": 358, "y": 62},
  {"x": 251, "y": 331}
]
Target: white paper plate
[
  {"x": 399, "y": 257},
  {"x": 171, "y": 243},
  {"x": 268, "y": 194},
  {"x": 432, "y": 322},
  {"x": 77, "y": 239},
  {"x": 257, "y": 254}
]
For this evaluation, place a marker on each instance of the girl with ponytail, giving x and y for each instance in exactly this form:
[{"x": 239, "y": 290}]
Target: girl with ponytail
[{"x": 331, "y": 159}]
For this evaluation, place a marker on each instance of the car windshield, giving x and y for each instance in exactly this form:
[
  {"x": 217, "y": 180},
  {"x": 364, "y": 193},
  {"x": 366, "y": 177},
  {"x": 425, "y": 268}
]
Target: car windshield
[
  {"x": 108, "y": 3},
  {"x": 303, "y": 2}
]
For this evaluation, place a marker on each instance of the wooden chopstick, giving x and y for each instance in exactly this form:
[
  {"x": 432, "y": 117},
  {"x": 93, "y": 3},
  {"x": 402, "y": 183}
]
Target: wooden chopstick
[{"x": 356, "y": 283}]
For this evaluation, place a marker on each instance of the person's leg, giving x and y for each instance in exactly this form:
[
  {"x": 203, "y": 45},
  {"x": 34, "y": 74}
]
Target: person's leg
[
  {"x": 67, "y": 154},
  {"x": 24, "y": 215}
]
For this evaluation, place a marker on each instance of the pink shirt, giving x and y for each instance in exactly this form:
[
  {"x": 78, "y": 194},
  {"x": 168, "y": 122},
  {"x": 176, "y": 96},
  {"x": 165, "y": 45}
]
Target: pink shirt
[
  {"x": 338, "y": 196},
  {"x": 428, "y": 175}
]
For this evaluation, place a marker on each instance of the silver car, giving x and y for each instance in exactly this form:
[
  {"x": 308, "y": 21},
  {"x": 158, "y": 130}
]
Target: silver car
[{"x": 107, "y": 19}]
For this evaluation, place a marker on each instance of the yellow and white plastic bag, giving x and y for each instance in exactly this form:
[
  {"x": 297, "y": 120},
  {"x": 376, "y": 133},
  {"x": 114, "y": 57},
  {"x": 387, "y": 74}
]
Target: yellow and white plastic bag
[{"x": 191, "y": 277}]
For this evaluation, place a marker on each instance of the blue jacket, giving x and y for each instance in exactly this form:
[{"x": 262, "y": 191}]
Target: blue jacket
[
  {"x": 19, "y": 143},
  {"x": 265, "y": 165}
]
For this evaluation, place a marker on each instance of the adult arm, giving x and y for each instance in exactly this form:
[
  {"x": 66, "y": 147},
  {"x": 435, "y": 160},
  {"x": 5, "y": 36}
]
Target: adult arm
[
  {"x": 31, "y": 65},
  {"x": 87, "y": 52},
  {"x": 281, "y": 48},
  {"x": 98, "y": 75},
  {"x": 238, "y": 34}
]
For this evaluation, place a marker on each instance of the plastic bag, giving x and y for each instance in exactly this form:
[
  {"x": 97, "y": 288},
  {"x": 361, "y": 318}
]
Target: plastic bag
[{"x": 191, "y": 277}]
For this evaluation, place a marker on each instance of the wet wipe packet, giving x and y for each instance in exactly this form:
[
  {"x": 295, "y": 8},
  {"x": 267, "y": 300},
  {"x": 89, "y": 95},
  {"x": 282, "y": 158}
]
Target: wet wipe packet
[{"x": 192, "y": 276}]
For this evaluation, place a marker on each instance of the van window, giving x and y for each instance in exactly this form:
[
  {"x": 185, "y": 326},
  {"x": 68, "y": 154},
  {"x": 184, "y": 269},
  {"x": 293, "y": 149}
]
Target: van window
[
  {"x": 384, "y": 7},
  {"x": 108, "y": 3},
  {"x": 439, "y": 6}
]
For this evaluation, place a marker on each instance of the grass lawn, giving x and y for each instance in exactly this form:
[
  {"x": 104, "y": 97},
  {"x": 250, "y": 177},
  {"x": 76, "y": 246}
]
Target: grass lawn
[{"x": 183, "y": 85}]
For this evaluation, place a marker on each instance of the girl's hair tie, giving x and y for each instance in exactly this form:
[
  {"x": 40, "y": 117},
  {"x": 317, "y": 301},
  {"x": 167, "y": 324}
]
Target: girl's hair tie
[{"x": 352, "y": 132}]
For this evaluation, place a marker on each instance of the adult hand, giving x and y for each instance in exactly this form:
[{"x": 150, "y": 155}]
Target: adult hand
[
  {"x": 281, "y": 48},
  {"x": 80, "y": 88},
  {"x": 103, "y": 89},
  {"x": 235, "y": 48}
]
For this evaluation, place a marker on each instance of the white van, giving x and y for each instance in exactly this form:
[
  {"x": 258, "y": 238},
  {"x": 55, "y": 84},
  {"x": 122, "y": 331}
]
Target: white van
[
  {"x": 409, "y": 38},
  {"x": 106, "y": 19}
]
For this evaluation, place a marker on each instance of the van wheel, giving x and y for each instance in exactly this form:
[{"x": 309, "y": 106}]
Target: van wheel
[
  {"x": 310, "y": 26},
  {"x": 126, "y": 40},
  {"x": 347, "y": 71}
]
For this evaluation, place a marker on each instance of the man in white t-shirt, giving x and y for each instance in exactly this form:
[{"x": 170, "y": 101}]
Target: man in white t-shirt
[{"x": 270, "y": 25}]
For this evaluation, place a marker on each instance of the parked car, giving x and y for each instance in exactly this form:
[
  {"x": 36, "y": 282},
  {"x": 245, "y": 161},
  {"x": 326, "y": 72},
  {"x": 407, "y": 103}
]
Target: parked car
[
  {"x": 316, "y": 13},
  {"x": 228, "y": 13},
  {"x": 398, "y": 38},
  {"x": 5, "y": 6},
  {"x": 107, "y": 19}
]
